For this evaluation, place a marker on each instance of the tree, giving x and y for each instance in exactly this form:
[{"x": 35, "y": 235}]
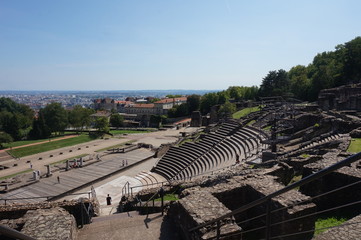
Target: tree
[
  {"x": 193, "y": 102},
  {"x": 179, "y": 111},
  {"x": 276, "y": 83},
  {"x": 223, "y": 97},
  {"x": 55, "y": 117},
  {"x": 15, "y": 119},
  {"x": 208, "y": 100},
  {"x": 227, "y": 109},
  {"x": 5, "y": 138},
  {"x": 116, "y": 120},
  {"x": 102, "y": 124},
  {"x": 79, "y": 117},
  {"x": 300, "y": 83},
  {"x": 39, "y": 130},
  {"x": 352, "y": 60}
]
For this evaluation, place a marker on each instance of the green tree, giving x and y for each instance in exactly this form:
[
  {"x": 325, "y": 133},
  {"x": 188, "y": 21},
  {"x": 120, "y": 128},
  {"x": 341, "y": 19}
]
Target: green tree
[
  {"x": 352, "y": 60},
  {"x": 39, "y": 130},
  {"x": 223, "y": 97},
  {"x": 276, "y": 83},
  {"x": 5, "y": 138},
  {"x": 116, "y": 120},
  {"x": 55, "y": 117},
  {"x": 193, "y": 102},
  {"x": 102, "y": 124},
  {"x": 300, "y": 83},
  {"x": 15, "y": 119},
  {"x": 227, "y": 109},
  {"x": 208, "y": 100},
  {"x": 79, "y": 117}
]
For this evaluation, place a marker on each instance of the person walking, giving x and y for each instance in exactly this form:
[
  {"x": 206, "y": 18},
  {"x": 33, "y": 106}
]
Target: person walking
[{"x": 58, "y": 179}]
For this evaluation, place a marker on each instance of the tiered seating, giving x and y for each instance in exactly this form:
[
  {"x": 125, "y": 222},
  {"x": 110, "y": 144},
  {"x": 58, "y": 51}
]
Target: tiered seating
[
  {"x": 324, "y": 139},
  {"x": 214, "y": 151}
]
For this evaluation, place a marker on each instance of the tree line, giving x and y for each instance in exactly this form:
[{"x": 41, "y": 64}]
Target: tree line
[{"x": 327, "y": 70}]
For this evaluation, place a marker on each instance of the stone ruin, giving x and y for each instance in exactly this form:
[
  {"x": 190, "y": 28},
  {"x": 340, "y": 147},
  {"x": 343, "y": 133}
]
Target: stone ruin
[
  {"x": 278, "y": 145},
  {"x": 301, "y": 141},
  {"x": 48, "y": 220}
]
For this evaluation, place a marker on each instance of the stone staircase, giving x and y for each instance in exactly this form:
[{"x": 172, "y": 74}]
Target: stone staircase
[{"x": 129, "y": 225}]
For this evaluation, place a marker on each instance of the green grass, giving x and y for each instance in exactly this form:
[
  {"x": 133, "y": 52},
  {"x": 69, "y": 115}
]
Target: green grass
[
  {"x": 267, "y": 128},
  {"x": 114, "y": 132},
  {"x": 168, "y": 197},
  {"x": 355, "y": 145},
  {"x": 244, "y": 112},
  {"x": 15, "y": 174},
  {"x": 71, "y": 158},
  {"x": 305, "y": 155},
  {"x": 115, "y": 146},
  {"x": 251, "y": 122},
  {"x": 295, "y": 178},
  {"x": 327, "y": 222},
  {"x": 47, "y": 146},
  {"x": 26, "y": 142}
]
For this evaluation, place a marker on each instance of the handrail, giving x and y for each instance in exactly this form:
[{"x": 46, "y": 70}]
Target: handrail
[
  {"x": 125, "y": 188},
  {"x": 150, "y": 199},
  {"x": 303, "y": 181},
  {"x": 14, "y": 234}
]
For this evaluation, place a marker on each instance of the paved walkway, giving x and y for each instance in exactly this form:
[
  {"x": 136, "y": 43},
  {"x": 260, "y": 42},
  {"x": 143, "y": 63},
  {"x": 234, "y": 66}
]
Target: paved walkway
[
  {"x": 77, "y": 178},
  {"x": 23, "y": 164}
]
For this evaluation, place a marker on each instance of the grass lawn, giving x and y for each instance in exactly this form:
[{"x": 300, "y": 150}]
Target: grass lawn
[
  {"x": 168, "y": 197},
  {"x": 26, "y": 142},
  {"x": 244, "y": 112},
  {"x": 14, "y": 174},
  {"x": 114, "y": 132},
  {"x": 47, "y": 146},
  {"x": 355, "y": 145}
]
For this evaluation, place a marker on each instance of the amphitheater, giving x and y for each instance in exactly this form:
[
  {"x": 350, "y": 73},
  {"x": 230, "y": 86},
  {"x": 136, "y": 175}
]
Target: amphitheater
[{"x": 270, "y": 175}]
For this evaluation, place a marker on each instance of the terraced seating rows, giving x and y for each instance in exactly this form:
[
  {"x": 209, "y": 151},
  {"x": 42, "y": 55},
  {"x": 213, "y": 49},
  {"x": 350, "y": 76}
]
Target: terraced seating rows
[{"x": 215, "y": 150}]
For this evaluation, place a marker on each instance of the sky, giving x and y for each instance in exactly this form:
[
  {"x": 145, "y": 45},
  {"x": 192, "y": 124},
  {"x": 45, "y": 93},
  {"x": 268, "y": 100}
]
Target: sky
[{"x": 169, "y": 44}]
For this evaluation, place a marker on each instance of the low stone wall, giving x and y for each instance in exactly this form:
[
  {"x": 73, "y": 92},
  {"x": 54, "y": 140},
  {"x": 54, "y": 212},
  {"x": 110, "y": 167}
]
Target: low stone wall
[
  {"x": 54, "y": 223},
  {"x": 28, "y": 217}
]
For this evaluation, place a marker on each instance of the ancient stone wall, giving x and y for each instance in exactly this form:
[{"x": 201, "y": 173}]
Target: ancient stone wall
[{"x": 54, "y": 223}]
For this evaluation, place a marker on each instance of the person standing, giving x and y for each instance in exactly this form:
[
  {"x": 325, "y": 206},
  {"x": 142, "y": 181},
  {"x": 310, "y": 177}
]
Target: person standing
[
  {"x": 58, "y": 179},
  {"x": 109, "y": 200}
]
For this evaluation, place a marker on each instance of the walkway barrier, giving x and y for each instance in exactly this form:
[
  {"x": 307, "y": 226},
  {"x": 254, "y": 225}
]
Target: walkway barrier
[
  {"x": 265, "y": 230},
  {"x": 6, "y": 200}
]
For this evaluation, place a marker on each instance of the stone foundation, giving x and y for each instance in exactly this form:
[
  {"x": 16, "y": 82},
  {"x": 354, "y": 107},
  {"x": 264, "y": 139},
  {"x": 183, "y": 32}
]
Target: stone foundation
[{"x": 55, "y": 223}]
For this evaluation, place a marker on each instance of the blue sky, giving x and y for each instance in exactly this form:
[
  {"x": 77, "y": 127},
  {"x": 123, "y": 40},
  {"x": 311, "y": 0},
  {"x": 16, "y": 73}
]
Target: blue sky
[{"x": 173, "y": 44}]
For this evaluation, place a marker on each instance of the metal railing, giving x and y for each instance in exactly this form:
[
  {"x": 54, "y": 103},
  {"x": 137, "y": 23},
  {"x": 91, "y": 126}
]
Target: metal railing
[
  {"x": 43, "y": 197},
  {"x": 12, "y": 233},
  {"x": 267, "y": 200}
]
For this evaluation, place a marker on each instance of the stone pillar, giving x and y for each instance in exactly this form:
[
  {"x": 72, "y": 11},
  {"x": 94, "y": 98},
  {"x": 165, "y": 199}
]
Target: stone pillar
[
  {"x": 35, "y": 177},
  {"x": 81, "y": 162},
  {"x": 48, "y": 174},
  {"x": 67, "y": 165}
]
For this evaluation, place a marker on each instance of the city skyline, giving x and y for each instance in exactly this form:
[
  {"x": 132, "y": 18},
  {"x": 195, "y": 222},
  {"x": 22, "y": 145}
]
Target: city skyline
[{"x": 160, "y": 45}]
